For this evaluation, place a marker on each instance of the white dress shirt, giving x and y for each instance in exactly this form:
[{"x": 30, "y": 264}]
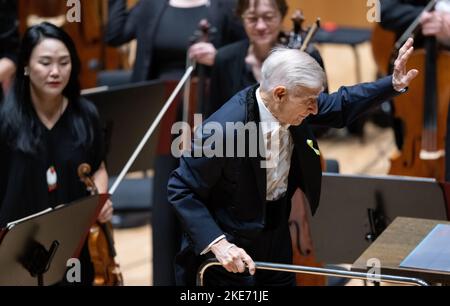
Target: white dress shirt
[{"x": 278, "y": 155}]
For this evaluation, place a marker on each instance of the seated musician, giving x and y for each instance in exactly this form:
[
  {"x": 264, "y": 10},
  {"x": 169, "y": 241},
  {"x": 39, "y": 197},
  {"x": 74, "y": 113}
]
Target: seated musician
[
  {"x": 46, "y": 131},
  {"x": 238, "y": 65}
]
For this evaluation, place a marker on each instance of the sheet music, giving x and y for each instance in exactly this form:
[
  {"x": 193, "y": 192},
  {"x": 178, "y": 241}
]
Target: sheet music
[
  {"x": 13, "y": 223},
  {"x": 433, "y": 252}
]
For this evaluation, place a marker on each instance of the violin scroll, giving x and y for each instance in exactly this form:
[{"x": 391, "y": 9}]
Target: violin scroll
[
  {"x": 84, "y": 173},
  {"x": 299, "y": 38},
  {"x": 296, "y": 36},
  {"x": 203, "y": 32}
]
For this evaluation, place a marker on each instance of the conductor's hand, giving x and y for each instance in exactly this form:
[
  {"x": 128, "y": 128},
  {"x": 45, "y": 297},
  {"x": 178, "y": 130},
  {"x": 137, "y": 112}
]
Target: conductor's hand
[
  {"x": 203, "y": 53},
  {"x": 106, "y": 213},
  {"x": 232, "y": 258},
  {"x": 401, "y": 77}
]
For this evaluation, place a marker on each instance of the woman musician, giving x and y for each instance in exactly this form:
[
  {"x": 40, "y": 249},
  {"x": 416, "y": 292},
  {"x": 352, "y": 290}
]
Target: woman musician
[
  {"x": 238, "y": 65},
  {"x": 46, "y": 131}
]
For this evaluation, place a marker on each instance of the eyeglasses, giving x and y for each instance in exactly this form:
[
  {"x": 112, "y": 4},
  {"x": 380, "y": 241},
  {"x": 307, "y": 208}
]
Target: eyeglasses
[{"x": 268, "y": 19}]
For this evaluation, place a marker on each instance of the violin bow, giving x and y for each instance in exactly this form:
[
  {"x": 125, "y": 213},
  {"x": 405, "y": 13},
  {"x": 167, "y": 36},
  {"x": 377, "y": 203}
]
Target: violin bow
[
  {"x": 185, "y": 81},
  {"x": 151, "y": 129}
]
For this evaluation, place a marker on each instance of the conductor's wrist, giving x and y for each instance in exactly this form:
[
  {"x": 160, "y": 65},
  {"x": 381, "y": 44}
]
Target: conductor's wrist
[
  {"x": 397, "y": 85},
  {"x": 400, "y": 89},
  {"x": 220, "y": 245}
]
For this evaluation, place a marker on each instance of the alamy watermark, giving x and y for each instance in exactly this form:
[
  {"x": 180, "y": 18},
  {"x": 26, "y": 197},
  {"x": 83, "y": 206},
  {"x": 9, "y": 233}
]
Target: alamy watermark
[
  {"x": 374, "y": 272},
  {"x": 374, "y": 12},
  {"x": 230, "y": 139},
  {"x": 74, "y": 12},
  {"x": 73, "y": 273}
]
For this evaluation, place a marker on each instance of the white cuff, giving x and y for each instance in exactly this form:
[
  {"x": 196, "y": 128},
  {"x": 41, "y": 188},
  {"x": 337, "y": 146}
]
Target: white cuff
[
  {"x": 403, "y": 90},
  {"x": 208, "y": 248}
]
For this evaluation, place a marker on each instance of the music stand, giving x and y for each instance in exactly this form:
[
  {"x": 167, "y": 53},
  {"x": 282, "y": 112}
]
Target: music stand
[
  {"x": 395, "y": 244},
  {"x": 126, "y": 112},
  {"x": 354, "y": 210},
  {"x": 40, "y": 246}
]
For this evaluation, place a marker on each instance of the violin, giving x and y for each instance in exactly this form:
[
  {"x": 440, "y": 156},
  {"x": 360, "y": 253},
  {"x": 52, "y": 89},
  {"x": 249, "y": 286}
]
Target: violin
[
  {"x": 203, "y": 34},
  {"x": 197, "y": 102},
  {"x": 101, "y": 242},
  {"x": 299, "y": 37}
]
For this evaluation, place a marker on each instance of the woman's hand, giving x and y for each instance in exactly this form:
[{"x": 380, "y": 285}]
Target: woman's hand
[
  {"x": 100, "y": 178},
  {"x": 106, "y": 213},
  {"x": 203, "y": 53}
]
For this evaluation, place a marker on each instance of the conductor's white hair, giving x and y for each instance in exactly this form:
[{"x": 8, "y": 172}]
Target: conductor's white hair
[{"x": 291, "y": 68}]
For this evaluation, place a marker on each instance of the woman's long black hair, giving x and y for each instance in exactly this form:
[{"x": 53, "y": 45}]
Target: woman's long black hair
[{"x": 19, "y": 124}]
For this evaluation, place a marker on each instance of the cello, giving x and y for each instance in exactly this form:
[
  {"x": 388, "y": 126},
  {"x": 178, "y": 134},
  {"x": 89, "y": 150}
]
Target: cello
[
  {"x": 302, "y": 245},
  {"x": 423, "y": 110},
  {"x": 101, "y": 242}
]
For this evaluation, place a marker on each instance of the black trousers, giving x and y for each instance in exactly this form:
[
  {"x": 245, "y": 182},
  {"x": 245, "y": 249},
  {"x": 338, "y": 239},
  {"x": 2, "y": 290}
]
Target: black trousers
[{"x": 272, "y": 245}]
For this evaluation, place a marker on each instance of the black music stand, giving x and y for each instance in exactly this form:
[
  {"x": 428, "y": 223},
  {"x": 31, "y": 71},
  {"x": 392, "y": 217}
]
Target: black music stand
[
  {"x": 397, "y": 242},
  {"x": 126, "y": 113},
  {"x": 354, "y": 210},
  {"x": 40, "y": 246}
]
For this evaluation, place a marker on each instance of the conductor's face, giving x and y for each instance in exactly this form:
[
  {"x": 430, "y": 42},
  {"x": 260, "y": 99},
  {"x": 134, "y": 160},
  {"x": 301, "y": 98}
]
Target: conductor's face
[{"x": 293, "y": 106}]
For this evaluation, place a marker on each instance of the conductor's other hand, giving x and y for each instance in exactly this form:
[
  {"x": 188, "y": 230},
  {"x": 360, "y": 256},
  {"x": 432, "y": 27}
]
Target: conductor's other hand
[
  {"x": 203, "y": 53},
  {"x": 232, "y": 258},
  {"x": 106, "y": 213},
  {"x": 401, "y": 77}
]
